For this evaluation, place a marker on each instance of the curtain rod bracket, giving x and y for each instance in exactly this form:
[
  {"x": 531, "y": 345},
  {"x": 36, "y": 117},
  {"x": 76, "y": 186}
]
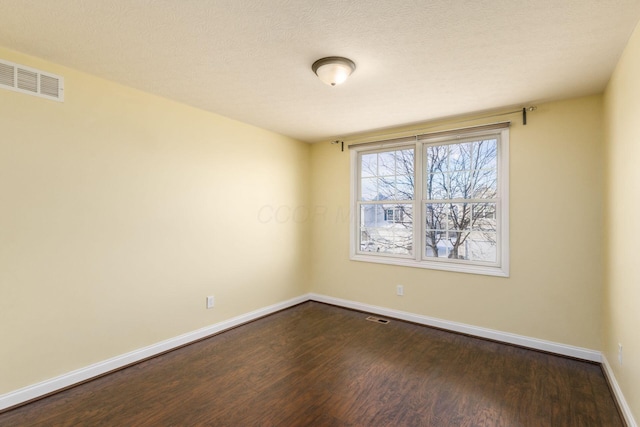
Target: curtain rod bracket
[
  {"x": 339, "y": 142},
  {"x": 524, "y": 113}
]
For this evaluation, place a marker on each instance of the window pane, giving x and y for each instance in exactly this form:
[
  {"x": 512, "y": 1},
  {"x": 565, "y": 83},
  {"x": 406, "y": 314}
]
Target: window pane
[
  {"x": 436, "y": 244},
  {"x": 387, "y": 188},
  {"x": 485, "y": 183},
  {"x": 482, "y": 247},
  {"x": 459, "y": 216},
  {"x": 460, "y": 183},
  {"x": 369, "y": 165},
  {"x": 437, "y": 158},
  {"x": 405, "y": 162},
  {"x": 484, "y": 217},
  {"x": 386, "y": 228},
  {"x": 460, "y": 156},
  {"x": 435, "y": 230},
  {"x": 405, "y": 187},
  {"x": 437, "y": 186},
  {"x": 387, "y": 163},
  {"x": 458, "y": 242},
  {"x": 371, "y": 216},
  {"x": 436, "y": 216},
  {"x": 451, "y": 245},
  {"x": 369, "y": 189},
  {"x": 486, "y": 154}
]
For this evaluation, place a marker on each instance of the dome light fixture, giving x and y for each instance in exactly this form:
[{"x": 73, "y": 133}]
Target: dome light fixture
[{"x": 333, "y": 70}]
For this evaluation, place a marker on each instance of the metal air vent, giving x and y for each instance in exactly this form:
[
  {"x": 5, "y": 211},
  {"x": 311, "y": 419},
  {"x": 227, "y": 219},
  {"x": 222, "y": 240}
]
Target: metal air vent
[
  {"x": 20, "y": 78},
  {"x": 377, "y": 320}
]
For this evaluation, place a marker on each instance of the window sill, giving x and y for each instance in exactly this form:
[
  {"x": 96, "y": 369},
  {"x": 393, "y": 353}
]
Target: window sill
[{"x": 443, "y": 266}]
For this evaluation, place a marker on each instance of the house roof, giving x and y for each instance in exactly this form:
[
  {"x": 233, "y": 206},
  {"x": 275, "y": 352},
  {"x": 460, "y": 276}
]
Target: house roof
[{"x": 250, "y": 60}]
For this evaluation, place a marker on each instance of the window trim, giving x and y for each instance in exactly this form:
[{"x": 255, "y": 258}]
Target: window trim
[{"x": 417, "y": 259}]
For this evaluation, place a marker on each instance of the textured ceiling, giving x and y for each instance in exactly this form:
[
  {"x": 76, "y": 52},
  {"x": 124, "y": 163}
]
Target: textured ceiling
[{"x": 250, "y": 60}]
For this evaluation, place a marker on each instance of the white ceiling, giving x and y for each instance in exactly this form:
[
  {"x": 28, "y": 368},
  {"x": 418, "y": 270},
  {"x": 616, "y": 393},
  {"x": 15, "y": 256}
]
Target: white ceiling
[{"x": 250, "y": 60}]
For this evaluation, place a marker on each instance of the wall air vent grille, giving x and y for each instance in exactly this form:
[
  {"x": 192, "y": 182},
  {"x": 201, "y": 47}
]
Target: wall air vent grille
[
  {"x": 49, "y": 86},
  {"x": 20, "y": 78},
  {"x": 27, "y": 80},
  {"x": 7, "y": 73}
]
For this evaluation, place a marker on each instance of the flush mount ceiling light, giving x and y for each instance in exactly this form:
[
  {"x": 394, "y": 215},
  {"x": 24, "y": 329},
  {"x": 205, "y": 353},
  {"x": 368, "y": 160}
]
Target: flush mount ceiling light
[{"x": 333, "y": 70}]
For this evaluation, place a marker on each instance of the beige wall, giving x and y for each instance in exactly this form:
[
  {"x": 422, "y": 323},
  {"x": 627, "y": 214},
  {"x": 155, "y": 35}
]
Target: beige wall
[
  {"x": 121, "y": 211},
  {"x": 555, "y": 288},
  {"x": 622, "y": 285}
]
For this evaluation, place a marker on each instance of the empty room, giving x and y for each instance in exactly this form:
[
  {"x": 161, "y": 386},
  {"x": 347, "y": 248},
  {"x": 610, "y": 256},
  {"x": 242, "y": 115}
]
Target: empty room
[{"x": 306, "y": 213}]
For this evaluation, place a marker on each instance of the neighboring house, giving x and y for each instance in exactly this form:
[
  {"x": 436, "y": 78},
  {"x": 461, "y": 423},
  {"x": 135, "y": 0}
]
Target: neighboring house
[{"x": 388, "y": 228}]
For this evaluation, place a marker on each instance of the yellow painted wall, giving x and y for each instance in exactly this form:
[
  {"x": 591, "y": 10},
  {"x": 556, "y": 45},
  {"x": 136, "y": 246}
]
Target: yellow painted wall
[
  {"x": 121, "y": 211},
  {"x": 555, "y": 288},
  {"x": 622, "y": 285}
]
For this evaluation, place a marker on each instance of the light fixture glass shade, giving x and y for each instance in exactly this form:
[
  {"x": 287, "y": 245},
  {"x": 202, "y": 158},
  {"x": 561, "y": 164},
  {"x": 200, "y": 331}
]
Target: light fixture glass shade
[{"x": 333, "y": 70}]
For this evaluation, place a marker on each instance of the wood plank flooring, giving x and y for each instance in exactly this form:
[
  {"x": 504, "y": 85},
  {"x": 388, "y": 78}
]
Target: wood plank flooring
[{"x": 319, "y": 365}]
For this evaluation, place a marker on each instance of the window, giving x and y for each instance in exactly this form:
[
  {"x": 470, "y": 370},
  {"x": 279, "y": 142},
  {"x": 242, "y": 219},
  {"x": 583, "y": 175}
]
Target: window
[{"x": 434, "y": 201}]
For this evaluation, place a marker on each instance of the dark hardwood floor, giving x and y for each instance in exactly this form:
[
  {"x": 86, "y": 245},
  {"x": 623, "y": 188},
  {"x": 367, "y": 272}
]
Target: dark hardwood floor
[{"x": 319, "y": 365}]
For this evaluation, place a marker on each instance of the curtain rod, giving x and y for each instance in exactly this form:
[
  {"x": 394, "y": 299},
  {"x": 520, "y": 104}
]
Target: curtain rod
[
  {"x": 422, "y": 136},
  {"x": 522, "y": 111}
]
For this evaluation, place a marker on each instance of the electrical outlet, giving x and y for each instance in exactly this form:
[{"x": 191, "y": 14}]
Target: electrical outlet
[
  {"x": 620, "y": 353},
  {"x": 210, "y": 301},
  {"x": 400, "y": 290}
]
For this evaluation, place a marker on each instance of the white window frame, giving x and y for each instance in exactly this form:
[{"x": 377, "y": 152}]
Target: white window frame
[{"x": 417, "y": 259}]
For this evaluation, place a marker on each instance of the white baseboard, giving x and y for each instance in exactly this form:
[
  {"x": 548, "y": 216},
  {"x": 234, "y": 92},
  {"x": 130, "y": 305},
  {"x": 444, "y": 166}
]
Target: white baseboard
[
  {"x": 49, "y": 386},
  {"x": 534, "y": 343},
  {"x": 622, "y": 402}
]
